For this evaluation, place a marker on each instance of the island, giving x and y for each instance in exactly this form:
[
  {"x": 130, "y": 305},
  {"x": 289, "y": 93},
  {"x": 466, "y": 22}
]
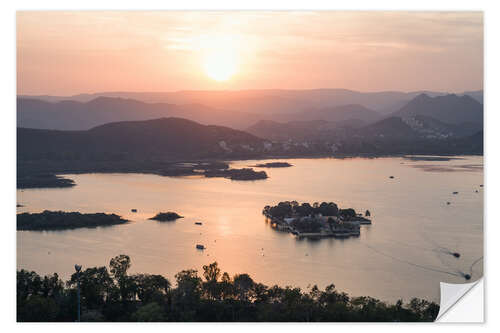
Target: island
[
  {"x": 316, "y": 220},
  {"x": 273, "y": 165},
  {"x": 237, "y": 174},
  {"x": 43, "y": 181},
  {"x": 58, "y": 220},
  {"x": 166, "y": 217},
  {"x": 31, "y": 177}
]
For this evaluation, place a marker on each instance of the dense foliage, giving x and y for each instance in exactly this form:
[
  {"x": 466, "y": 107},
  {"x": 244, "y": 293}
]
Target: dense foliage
[
  {"x": 293, "y": 208},
  {"x": 237, "y": 174},
  {"x": 43, "y": 180},
  {"x": 168, "y": 216},
  {"x": 274, "y": 165},
  {"x": 115, "y": 295},
  {"x": 49, "y": 220}
]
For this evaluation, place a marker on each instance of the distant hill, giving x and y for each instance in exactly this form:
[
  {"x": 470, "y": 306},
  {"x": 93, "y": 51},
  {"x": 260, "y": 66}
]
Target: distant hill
[
  {"x": 267, "y": 101},
  {"x": 293, "y": 130},
  {"x": 150, "y": 146},
  {"x": 389, "y": 128},
  {"x": 302, "y": 130},
  {"x": 417, "y": 127},
  {"x": 423, "y": 117},
  {"x": 74, "y": 115},
  {"x": 339, "y": 114},
  {"x": 476, "y": 94},
  {"x": 165, "y": 138},
  {"x": 450, "y": 109}
]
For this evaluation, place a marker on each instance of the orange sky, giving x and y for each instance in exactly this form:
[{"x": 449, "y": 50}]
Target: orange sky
[{"x": 64, "y": 53}]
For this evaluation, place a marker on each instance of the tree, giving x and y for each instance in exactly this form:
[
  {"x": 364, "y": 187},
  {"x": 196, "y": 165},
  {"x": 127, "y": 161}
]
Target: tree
[
  {"x": 328, "y": 209},
  {"x": 243, "y": 283},
  {"x": 211, "y": 272},
  {"x": 151, "y": 288},
  {"x": 38, "y": 308},
  {"x": 119, "y": 266},
  {"x": 188, "y": 284},
  {"x": 28, "y": 284},
  {"x": 283, "y": 209},
  {"x": 304, "y": 210},
  {"x": 216, "y": 297},
  {"x": 151, "y": 312},
  {"x": 96, "y": 285},
  {"x": 347, "y": 213}
]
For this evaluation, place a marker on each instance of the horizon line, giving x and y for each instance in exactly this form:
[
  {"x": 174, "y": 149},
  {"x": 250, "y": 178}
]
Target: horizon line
[{"x": 246, "y": 90}]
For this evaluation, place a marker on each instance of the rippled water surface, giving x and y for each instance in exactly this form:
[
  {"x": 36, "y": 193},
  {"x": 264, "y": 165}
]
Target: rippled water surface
[{"x": 403, "y": 254}]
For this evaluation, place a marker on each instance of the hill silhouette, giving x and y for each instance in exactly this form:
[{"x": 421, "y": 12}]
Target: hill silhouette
[
  {"x": 268, "y": 101},
  {"x": 75, "y": 115},
  {"x": 340, "y": 114},
  {"x": 451, "y": 109},
  {"x": 170, "y": 138}
]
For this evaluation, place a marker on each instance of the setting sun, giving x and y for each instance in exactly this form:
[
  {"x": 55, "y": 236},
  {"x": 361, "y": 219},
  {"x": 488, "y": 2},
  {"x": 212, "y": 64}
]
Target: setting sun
[
  {"x": 220, "y": 66},
  {"x": 220, "y": 56}
]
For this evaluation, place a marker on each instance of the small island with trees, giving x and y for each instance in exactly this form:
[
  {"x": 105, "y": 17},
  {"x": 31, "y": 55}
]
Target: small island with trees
[
  {"x": 57, "y": 220},
  {"x": 237, "y": 174},
  {"x": 273, "y": 165},
  {"x": 315, "y": 221},
  {"x": 166, "y": 217}
]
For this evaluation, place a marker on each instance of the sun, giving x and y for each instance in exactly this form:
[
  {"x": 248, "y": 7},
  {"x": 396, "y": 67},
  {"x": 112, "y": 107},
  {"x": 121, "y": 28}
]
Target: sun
[{"x": 220, "y": 65}]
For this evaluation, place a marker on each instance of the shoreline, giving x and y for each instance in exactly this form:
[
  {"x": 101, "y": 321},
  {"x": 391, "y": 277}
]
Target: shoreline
[{"x": 179, "y": 170}]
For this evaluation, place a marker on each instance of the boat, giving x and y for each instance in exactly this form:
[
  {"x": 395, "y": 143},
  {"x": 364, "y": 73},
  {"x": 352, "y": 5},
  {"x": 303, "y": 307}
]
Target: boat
[
  {"x": 198, "y": 223},
  {"x": 134, "y": 210},
  {"x": 200, "y": 247},
  {"x": 455, "y": 192}
]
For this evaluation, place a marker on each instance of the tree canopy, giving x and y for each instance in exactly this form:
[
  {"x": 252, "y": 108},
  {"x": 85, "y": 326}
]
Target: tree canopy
[{"x": 115, "y": 295}]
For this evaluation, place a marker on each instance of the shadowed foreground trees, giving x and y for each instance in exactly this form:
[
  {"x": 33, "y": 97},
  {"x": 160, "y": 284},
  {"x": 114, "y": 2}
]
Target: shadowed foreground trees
[{"x": 118, "y": 296}]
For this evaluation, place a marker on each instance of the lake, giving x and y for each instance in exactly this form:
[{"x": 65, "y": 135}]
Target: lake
[{"x": 403, "y": 254}]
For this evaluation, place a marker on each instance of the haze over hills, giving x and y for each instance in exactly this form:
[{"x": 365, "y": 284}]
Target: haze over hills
[
  {"x": 341, "y": 113},
  {"x": 175, "y": 139},
  {"x": 423, "y": 117},
  {"x": 75, "y": 115},
  {"x": 293, "y": 130},
  {"x": 151, "y": 146},
  {"x": 267, "y": 101}
]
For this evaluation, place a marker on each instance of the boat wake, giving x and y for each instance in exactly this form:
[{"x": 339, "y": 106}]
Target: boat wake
[
  {"x": 428, "y": 268},
  {"x": 473, "y": 263}
]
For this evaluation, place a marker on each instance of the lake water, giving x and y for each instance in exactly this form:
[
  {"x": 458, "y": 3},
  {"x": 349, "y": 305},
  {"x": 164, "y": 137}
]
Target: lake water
[{"x": 401, "y": 255}]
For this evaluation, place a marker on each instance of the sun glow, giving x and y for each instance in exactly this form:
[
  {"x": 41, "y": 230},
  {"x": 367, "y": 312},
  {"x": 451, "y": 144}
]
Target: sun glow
[
  {"x": 220, "y": 66},
  {"x": 220, "y": 59}
]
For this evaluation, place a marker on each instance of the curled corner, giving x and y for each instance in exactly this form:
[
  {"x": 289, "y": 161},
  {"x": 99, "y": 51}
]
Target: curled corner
[{"x": 451, "y": 294}]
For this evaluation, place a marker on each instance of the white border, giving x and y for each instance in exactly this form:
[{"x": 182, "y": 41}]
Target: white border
[{"x": 8, "y": 92}]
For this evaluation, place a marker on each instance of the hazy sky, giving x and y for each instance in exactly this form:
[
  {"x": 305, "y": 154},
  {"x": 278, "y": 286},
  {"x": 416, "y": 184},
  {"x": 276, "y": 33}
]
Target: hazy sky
[{"x": 63, "y": 53}]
